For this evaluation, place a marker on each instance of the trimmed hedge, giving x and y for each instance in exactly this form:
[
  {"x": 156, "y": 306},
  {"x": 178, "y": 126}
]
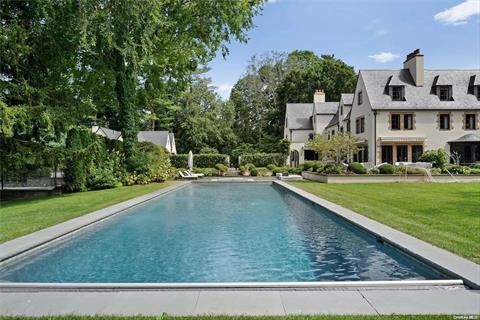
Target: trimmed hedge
[
  {"x": 386, "y": 168},
  {"x": 357, "y": 168},
  {"x": 205, "y": 160},
  {"x": 263, "y": 159}
]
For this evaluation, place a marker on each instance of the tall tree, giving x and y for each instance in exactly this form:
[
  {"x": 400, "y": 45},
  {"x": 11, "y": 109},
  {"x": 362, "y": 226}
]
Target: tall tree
[{"x": 150, "y": 46}]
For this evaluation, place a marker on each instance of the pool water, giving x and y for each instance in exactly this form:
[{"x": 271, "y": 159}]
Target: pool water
[{"x": 219, "y": 232}]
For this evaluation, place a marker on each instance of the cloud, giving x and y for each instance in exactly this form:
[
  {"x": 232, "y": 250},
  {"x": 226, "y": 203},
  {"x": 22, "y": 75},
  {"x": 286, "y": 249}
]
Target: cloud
[
  {"x": 384, "y": 57},
  {"x": 271, "y": 1},
  {"x": 459, "y": 14},
  {"x": 223, "y": 89}
]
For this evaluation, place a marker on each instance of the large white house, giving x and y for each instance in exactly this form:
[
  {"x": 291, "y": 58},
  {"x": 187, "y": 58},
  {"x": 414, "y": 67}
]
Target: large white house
[{"x": 398, "y": 114}]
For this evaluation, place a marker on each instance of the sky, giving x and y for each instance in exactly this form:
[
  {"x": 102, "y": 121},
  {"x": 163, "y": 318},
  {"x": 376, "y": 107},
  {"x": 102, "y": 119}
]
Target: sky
[{"x": 366, "y": 34}]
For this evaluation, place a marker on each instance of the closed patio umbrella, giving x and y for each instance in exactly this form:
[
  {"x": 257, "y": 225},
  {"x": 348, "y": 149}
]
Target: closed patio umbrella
[{"x": 190, "y": 160}]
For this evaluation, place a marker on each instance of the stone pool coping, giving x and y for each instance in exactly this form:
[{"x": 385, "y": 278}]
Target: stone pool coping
[
  {"x": 16, "y": 247},
  {"x": 441, "y": 259},
  {"x": 362, "y": 297},
  {"x": 451, "y": 264}
]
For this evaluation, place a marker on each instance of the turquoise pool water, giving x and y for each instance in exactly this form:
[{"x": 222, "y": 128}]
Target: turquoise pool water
[{"x": 225, "y": 232}]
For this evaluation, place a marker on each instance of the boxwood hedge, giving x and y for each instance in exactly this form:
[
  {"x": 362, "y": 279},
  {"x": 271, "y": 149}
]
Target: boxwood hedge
[
  {"x": 206, "y": 160},
  {"x": 263, "y": 159}
]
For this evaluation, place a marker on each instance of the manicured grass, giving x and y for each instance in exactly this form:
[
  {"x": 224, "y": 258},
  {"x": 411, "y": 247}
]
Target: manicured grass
[
  {"x": 165, "y": 317},
  {"x": 20, "y": 217},
  {"x": 445, "y": 214}
]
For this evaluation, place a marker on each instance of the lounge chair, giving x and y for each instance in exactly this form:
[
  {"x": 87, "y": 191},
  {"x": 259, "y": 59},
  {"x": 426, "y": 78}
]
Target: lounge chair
[
  {"x": 186, "y": 177},
  {"x": 190, "y": 173}
]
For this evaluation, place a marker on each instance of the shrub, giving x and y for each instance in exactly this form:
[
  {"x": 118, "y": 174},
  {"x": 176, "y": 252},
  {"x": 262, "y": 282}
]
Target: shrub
[
  {"x": 102, "y": 178},
  {"x": 295, "y": 170},
  {"x": 308, "y": 165},
  {"x": 455, "y": 169},
  {"x": 438, "y": 157},
  {"x": 435, "y": 171},
  {"x": 271, "y": 167},
  {"x": 207, "y": 172},
  {"x": 79, "y": 144},
  {"x": 221, "y": 167},
  {"x": 357, "y": 168},
  {"x": 254, "y": 171},
  {"x": 149, "y": 163},
  {"x": 279, "y": 170},
  {"x": 475, "y": 171},
  {"x": 263, "y": 159},
  {"x": 475, "y": 166},
  {"x": 374, "y": 170},
  {"x": 332, "y": 168},
  {"x": 199, "y": 160},
  {"x": 386, "y": 168}
]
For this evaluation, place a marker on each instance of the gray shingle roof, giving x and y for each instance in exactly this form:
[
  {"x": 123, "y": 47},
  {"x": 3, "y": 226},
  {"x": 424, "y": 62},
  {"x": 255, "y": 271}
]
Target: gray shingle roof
[
  {"x": 299, "y": 116},
  {"x": 334, "y": 120},
  {"x": 326, "y": 107},
  {"x": 347, "y": 98},
  {"x": 110, "y": 134},
  {"x": 159, "y": 138},
  {"x": 421, "y": 98}
]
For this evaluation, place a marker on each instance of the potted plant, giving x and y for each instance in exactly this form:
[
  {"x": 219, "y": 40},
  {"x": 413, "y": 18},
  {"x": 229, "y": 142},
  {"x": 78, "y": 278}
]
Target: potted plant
[{"x": 222, "y": 169}]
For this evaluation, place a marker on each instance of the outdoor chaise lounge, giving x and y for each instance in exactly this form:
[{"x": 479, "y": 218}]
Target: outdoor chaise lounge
[
  {"x": 186, "y": 176},
  {"x": 190, "y": 173}
]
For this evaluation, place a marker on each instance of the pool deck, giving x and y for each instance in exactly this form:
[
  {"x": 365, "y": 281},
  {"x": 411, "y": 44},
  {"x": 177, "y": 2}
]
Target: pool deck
[
  {"x": 55, "y": 299},
  {"x": 444, "y": 300}
]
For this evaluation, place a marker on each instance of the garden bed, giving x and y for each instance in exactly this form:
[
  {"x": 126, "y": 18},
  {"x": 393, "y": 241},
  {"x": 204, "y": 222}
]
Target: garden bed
[{"x": 379, "y": 178}]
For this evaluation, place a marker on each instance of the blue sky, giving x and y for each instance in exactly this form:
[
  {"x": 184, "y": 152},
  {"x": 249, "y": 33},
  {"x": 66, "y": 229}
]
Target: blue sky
[{"x": 367, "y": 34}]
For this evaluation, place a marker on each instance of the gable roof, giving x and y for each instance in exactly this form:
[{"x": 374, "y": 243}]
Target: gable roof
[
  {"x": 334, "y": 120},
  {"x": 299, "y": 116},
  {"x": 422, "y": 98},
  {"x": 107, "y": 133},
  {"x": 160, "y": 138},
  {"x": 326, "y": 107},
  {"x": 347, "y": 98}
]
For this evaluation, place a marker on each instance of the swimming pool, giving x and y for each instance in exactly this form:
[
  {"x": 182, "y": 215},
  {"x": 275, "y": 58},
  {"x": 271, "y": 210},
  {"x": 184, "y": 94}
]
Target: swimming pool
[{"x": 219, "y": 232}]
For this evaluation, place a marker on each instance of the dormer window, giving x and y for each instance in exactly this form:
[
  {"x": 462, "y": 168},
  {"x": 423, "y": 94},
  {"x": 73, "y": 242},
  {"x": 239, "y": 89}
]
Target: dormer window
[
  {"x": 397, "y": 93},
  {"x": 445, "y": 93},
  {"x": 476, "y": 91}
]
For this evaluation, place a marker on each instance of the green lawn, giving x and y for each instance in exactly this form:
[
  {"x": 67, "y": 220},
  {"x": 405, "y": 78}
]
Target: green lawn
[
  {"x": 20, "y": 217},
  {"x": 165, "y": 317},
  {"x": 445, "y": 214}
]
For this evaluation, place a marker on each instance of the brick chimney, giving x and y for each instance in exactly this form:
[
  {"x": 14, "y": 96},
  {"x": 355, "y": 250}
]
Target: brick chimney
[
  {"x": 414, "y": 64},
  {"x": 319, "y": 96}
]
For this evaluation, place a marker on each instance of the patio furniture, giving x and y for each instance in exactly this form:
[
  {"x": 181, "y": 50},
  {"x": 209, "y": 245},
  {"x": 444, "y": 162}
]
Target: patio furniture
[
  {"x": 186, "y": 177},
  {"x": 190, "y": 173}
]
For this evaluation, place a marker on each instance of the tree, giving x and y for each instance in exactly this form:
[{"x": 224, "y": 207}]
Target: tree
[
  {"x": 321, "y": 146},
  {"x": 255, "y": 99},
  {"x": 203, "y": 119},
  {"x": 343, "y": 146},
  {"x": 150, "y": 47}
]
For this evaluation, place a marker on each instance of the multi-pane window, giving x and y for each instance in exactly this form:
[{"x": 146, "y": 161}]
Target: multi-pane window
[
  {"x": 445, "y": 93},
  {"x": 360, "y": 98},
  {"x": 397, "y": 93},
  {"x": 395, "y": 119},
  {"x": 470, "y": 121},
  {"x": 444, "y": 120},
  {"x": 417, "y": 151},
  {"x": 408, "y": 121},
  {"x": 360, "y": 125},
  {"x": 402, "y": 153}
]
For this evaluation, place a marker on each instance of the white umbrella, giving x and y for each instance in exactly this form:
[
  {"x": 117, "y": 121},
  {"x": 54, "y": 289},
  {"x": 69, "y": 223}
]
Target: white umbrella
[{"x": 190, "y": 160}]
